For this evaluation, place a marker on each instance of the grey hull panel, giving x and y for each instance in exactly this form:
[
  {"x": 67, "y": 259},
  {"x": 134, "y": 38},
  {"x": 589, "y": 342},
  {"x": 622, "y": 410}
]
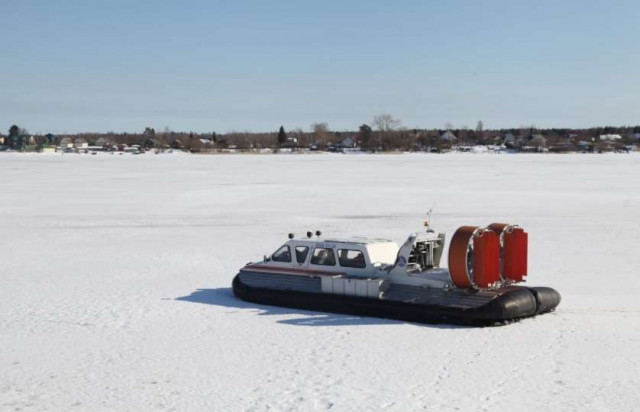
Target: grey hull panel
[
  {"x": 461, "y": 299},
  {"x": 281, "y": 281}
]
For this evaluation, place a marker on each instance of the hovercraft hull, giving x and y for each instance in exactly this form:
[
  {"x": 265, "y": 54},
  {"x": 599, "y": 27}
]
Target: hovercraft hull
[{"x": 400, "y": 302}]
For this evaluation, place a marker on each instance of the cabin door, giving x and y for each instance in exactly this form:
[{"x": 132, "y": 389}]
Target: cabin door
[{"x": 301, "y": 255}]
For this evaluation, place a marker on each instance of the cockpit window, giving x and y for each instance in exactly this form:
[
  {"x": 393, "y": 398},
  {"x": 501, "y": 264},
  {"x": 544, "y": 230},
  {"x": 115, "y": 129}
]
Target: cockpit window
[
  {"x": 349, "y": 258},
  {"x": 282, "y": 255},
  {"x": 323, "y": 256},
  {"x": 301, "y": 253}
]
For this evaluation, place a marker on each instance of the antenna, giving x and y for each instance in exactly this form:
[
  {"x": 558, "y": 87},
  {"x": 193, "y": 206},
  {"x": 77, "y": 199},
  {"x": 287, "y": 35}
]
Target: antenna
[{"x": 427, "y": 222}]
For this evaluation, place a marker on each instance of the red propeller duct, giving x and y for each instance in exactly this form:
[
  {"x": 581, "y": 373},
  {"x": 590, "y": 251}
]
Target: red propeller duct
[
  {"x": 474, "y": 257},
  {"x": 514, "y": 243}
]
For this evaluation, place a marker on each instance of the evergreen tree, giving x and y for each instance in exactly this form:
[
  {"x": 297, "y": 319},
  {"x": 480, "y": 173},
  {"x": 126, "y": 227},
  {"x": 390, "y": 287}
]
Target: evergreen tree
[
  {"x": 364, "y": 135},
  {"x": 14, "y": 131},
  {"x": 15, "y": 141},
  {"x": 282, "y": 136}
]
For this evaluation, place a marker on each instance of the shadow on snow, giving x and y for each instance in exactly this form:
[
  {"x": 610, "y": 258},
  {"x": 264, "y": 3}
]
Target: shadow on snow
[{"x": 224, "y": 297}]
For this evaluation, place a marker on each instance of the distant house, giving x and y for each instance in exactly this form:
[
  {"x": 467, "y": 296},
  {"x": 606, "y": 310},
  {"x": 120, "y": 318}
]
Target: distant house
[
  {"x": 349, "y": 142},
  {"x": 80, "y": 143},
  {"x": 610, "y": 137},
  {"x": 636, "y": 136},
  {"x": 448, "y": 136},
  {"x": 66, "y": 143},
  {"x": 521, "y": 141},
  {"x": 509, "y": 140},
  {"x": 563, "y": 144},
  {"x": 538, "y": 140},
  {"x": 104, "y": 142}
]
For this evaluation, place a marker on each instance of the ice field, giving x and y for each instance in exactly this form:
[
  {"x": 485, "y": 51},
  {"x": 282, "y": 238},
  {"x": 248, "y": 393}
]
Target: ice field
[{"x": 115, "y": 277}]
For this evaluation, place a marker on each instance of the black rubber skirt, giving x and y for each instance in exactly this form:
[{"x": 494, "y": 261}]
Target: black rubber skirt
[{"x": 512, "y": 304}]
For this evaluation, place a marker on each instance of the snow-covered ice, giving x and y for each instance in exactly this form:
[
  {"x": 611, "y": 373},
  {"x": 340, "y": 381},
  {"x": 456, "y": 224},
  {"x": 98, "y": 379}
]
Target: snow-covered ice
[{"x": 115, "y": 276}]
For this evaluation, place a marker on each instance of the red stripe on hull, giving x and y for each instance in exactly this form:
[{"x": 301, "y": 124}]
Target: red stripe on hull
[{"x": 292, "y": 271}]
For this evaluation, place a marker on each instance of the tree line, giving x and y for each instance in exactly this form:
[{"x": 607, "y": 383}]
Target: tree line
[{"x": 382, "y": 133}]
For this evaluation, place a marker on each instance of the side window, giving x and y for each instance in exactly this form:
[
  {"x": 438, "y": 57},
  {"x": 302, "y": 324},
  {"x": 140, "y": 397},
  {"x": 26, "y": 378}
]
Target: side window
[
  {"x": 282, "y": 255},
  {"x": 351, "y": 258},
  {"x": 301, "y": 253},
  {"x": 323, "y": 256}
]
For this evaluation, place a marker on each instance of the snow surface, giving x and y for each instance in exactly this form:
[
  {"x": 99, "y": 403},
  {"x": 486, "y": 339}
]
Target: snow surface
[{"x": 115, "y": 283}]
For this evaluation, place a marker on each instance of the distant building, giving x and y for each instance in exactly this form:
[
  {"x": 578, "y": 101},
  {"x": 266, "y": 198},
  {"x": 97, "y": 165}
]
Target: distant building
[
  {"x": 66, "y": 143},
  {"x": 610, "y": 137},
  {"x": 80, "y": 143},
  {"x": 50, "y": 138},
  {"x": 104, "y": 142},
  {"x": 448, "y": 136},
  {"x": 585, "y": 146},
  {"x": 509, "y": 140},
  {"x": 538, "y": 140},
  {"x": 349, "y": 142}
]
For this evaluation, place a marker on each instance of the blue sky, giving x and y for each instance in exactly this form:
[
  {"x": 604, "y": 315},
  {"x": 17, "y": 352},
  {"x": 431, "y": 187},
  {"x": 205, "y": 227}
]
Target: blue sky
[{"x": 71, "y": 66}]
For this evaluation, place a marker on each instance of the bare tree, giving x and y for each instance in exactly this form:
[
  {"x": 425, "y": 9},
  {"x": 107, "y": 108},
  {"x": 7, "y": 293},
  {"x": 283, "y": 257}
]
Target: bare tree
[
  {"x": 527, "y": 131},
  {"x": 321, "y": 133},
  {"x": 480, "y": 132},
  {"x": 385, "y": 122},
  {"x": 321, "y": 127},
  {"x": 463, "y": 134},
  {"x": 387, "y": 137},
  {"x": 166, "y": 137},
  {"x": 300, "y": 136}
]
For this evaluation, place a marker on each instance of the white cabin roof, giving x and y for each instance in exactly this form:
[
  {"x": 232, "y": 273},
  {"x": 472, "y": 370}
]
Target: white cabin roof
[
  {"x": 353, "y": 240},
  {"x": 379, "y": 250},
  {"x": 358, "y": 240}
]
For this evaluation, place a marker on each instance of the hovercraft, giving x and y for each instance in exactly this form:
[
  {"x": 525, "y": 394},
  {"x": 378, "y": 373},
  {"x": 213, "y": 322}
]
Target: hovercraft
[{"x": 377, "y": 278}]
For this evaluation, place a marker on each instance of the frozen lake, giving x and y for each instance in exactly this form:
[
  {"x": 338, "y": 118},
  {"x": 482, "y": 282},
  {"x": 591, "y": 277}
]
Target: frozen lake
[{"x": 115, "y": 279}]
